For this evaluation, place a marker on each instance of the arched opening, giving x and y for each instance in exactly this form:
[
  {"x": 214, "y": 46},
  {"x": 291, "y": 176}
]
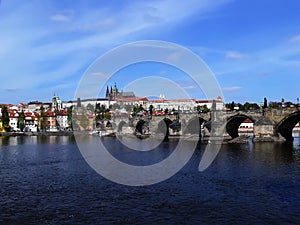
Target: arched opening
[
  {"x": 140, "y": 128},
  {"x": 121, "y": 125},
  {"x": 286, "y": 126},
  {"x": 233, "y": 124}
]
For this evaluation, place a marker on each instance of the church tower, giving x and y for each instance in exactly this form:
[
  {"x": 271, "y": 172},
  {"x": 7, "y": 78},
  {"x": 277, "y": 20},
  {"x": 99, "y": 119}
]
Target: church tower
[{"x": 115, "y": 91}]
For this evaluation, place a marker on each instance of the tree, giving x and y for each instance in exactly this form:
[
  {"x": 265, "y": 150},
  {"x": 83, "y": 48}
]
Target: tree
[
  {"x": 70, "y": 113},
  {"x": 247, "y": 106},
  {"x": 232, "y": 106},
  {"x": 202, "y": 108},
  {"x": 141, "y": 108},
  {"x": 5, "y": 119},
  {"x": 21, "y": 121},
  {"x": 134, "y": 110},
  {"x": 275, "y": 105},
  {"x": 255, "y": 106},
  {"x": 289, "y": 104},
  {"x": 107, "y": 116},
  {"x": 166, "y": 111},
  {"x": 42, "y": 118},
  {"x": 241, "y": 107}
]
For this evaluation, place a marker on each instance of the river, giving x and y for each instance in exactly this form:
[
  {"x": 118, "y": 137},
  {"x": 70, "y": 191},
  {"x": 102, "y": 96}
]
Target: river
[{"x": 45, "y": 180}]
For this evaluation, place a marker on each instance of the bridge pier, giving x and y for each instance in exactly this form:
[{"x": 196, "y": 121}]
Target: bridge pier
[
  {"x": 264, "y": 131},
  {"x": 275, "y": 125}
]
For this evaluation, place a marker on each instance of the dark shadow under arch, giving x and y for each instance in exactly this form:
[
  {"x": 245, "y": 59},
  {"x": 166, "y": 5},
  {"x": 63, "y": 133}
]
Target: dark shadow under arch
[
  {"x": 286, "y": 125},
  {"x": 233, "y": 123},
  {"x": 121, "y": 125}
]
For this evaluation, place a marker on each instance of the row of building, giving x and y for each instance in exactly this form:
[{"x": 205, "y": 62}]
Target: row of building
[
  {"x": 37, "y": 116},
  {"x": 55, "y": 115}
]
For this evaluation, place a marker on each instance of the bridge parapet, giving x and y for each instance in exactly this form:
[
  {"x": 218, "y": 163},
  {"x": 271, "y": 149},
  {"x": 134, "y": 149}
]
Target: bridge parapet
[
  {"x": 277, "y": 115},
  {"x": 281, "y": 121}
]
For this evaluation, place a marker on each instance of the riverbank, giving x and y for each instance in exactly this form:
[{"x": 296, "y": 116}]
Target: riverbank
[{"x": 58, "y": 133}]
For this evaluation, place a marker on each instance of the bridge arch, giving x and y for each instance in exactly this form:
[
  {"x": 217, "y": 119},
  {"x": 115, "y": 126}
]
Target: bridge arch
[
  {"x": 234, "y": 122},
  {"x": 141, "y": 126},
  {"x": 286, "y": 125},
  {"x": 120, "y": 126}
]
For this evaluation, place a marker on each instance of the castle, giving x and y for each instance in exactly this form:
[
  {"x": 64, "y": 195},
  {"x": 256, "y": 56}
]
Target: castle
[{"x": 114, "y": 94}]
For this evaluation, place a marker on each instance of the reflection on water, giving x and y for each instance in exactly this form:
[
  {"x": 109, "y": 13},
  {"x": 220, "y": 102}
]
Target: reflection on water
[
  {"x": 45, "y": 180},
  {"x": 33, "y": 140}
]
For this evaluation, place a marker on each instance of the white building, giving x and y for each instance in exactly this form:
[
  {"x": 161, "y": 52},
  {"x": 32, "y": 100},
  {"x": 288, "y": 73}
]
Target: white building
[
  {"x": 31, "y": 121},
  {"x": 185, "y": 105},
  {"x": 85, "y": 102},
  {"x": 219, "y": 103},
  {"x": 246, "y": 126},
  {"x": 178, "y": 104},
  {"x": 62, "y": 119},
  {"x": 13, "y": 120}
]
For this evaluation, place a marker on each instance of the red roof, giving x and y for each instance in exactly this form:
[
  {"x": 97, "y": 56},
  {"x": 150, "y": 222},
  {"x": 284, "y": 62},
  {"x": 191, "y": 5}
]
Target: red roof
[
  {"x": 49, "y": 113},
  {"x": 174, "y": 100},
  {"x": 13, "y": 113},
  {"x": 248, "y": 121},
  {"x": 132, "y": 99},
  {"x": 30, "y": 115},
  {"x": 62, "y": 112}
]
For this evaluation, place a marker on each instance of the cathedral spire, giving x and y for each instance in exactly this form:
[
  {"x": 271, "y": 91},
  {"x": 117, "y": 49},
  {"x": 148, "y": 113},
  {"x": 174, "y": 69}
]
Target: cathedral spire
[{"x": 107, "y": 92}]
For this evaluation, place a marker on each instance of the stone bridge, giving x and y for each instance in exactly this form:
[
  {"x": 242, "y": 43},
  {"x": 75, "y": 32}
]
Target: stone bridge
[{"x": 269, "y": 124}]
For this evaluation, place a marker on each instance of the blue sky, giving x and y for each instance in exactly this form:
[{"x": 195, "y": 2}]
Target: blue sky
[{"x": 253, "y": 47}]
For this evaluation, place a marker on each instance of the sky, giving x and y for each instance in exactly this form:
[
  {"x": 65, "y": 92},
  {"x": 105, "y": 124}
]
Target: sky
[{"x": 251, "y": 46}]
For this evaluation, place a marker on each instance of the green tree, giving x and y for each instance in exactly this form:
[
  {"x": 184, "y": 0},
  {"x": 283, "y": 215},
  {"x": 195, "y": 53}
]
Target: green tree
[
  {"x": 107, "y": 116},
  {"x": 289, "y": 104},
  {"x": 134, "y": 110},
  {"x": 141, "y": 108},
  {"x": 70, "y": 113},
  {"x": 232, "y": 106},
  {"x": 21, "y": 121},
  {"x": 5, "y": 119},
  {"x": 166, "y": 111},
  {"x": 42, "y": 119},
  {"x": 241, "y": 107},
  {"x": 247, "y": 106},
  {"x": 202, "y": 108}
]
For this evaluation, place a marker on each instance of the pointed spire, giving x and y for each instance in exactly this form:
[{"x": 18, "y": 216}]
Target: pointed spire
[{"x": 107, "y": 91}]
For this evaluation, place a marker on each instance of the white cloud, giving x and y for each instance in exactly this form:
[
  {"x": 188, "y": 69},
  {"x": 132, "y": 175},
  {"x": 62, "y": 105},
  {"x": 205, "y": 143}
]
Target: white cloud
[
  {"x": 230, "y": 89},
  {"x": 189, "y": 87},
  {"x": 295, "y": 38},
  {"x": 94, "y": 26},
  {"x": 175, "y": 56},
  {"x": 40, "y": 53},
  {"x": 60, "y": 18},
  {"x": 234, "y": 55}
]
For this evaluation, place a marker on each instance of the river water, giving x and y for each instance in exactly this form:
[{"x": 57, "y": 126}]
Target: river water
[{"x": 45, "y": 180}]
